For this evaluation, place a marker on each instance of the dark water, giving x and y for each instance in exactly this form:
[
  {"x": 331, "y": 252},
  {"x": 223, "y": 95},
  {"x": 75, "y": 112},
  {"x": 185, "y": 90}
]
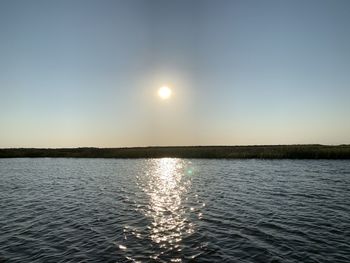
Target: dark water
[{"x": 174, "y": 210}]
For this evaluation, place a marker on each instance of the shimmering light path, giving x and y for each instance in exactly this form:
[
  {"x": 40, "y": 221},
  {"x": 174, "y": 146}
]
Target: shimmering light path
[{"x": 166, "y": 184}]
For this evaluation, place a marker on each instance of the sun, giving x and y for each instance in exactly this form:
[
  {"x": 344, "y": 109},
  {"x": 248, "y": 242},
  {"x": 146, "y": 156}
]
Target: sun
[{"x": 164, "y": 92}]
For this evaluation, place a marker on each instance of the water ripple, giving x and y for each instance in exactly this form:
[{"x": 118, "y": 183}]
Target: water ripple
[{"x": 174, "y": 210}]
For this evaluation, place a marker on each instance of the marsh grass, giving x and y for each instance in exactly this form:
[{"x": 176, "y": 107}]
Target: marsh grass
[{"x": 216, "y": 152}]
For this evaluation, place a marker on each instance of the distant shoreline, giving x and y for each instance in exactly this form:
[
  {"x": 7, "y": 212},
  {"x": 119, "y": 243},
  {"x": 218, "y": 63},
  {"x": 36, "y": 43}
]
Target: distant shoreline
[{"x": 204, "y": 152}]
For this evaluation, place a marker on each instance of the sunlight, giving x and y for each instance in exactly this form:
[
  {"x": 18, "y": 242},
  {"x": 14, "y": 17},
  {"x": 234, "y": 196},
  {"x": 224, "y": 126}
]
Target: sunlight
[
  {"x": 166, "y": 190},
  {"x": 164, "y": 92}
]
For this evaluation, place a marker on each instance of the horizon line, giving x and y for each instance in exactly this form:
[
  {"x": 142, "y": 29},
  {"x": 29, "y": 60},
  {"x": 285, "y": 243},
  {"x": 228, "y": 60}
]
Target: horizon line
[{"x": 179, "y": 146}]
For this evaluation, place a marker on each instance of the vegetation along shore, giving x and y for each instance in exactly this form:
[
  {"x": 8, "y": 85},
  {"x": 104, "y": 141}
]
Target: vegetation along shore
[{"x": 217, "y": 152}]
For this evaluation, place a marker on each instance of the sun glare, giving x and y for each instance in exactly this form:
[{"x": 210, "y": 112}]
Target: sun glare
[{"x": 164, "y": 92}]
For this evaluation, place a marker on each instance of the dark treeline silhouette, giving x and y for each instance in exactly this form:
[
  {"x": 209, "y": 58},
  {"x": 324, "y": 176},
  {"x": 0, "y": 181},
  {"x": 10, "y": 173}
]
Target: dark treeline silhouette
[{"x": 228, "y": 152}]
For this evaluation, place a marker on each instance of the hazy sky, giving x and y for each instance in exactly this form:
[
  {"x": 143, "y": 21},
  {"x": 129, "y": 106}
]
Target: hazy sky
[{"x": 86, "y": 73}]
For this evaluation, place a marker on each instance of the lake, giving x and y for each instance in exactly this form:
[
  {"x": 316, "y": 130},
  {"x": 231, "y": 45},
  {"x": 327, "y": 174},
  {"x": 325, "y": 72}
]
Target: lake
[{"x": 174, "y": 210}]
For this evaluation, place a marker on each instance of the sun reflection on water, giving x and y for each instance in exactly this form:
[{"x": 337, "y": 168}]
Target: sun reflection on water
[
  {"x": 166, "y": 190},
  {"x": 167, "y": 206}
]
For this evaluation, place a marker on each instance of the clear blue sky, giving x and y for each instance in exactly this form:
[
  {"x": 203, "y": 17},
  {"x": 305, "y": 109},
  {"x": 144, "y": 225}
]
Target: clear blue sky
[{"x": 86, "y": 73}]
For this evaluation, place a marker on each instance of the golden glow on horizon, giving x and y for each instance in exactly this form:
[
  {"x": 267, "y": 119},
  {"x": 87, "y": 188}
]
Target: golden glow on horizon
[{"x": 164, "y": 92}]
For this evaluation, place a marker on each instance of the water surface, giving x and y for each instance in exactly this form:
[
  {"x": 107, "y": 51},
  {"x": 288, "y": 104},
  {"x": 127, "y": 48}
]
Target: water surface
[{"x": 174, "y": 210}]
